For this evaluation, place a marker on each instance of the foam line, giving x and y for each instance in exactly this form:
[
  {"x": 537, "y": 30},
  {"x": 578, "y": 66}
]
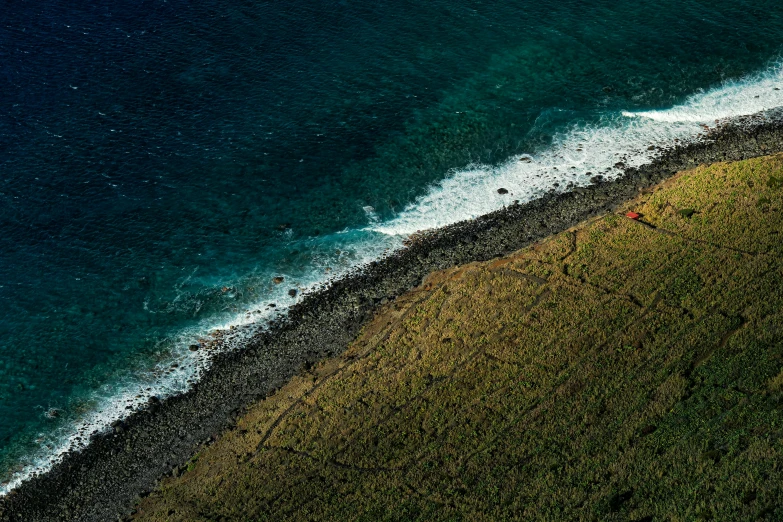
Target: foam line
[
  {"x": 578, "y": 153},
  {"x": 132, "y": 390},
  {"x": 575, "y": 155}
]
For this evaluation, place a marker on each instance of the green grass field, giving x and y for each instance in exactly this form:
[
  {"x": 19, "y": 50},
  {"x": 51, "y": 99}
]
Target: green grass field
[{"x": 621, "y": 370}]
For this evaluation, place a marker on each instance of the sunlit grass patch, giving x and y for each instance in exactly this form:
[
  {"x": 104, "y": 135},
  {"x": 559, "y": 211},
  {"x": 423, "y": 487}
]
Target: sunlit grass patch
[{"x": 622, "y": 370}]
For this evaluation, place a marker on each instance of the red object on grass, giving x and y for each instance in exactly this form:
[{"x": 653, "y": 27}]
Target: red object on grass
[{"x": 632, "y": 215}]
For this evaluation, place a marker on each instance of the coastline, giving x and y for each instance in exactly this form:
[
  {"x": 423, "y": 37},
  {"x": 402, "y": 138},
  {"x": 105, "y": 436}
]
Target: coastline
[
  {"x": 587, "y": 376},
  {"x": 103, "y": 481}
]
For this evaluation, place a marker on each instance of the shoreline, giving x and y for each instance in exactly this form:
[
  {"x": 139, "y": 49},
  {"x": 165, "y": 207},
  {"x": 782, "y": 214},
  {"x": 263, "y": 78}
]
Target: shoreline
[{"x": 103, "y": 480}]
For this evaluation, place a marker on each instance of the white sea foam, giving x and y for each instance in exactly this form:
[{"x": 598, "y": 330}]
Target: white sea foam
[
  {"x": 576, "y": 154},
  {"x": 334, "y": 256},
  {"x": 624, "y": 137}
]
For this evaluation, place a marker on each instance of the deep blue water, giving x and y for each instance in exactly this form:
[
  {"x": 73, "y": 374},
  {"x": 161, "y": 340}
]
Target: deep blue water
[{"x": 161, "y": 161}]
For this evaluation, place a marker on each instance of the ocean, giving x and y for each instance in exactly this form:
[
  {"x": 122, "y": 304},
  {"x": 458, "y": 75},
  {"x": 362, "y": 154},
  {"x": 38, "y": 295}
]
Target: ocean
[{"x": 162, "y": 162}]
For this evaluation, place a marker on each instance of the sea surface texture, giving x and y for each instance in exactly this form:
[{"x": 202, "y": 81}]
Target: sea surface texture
[{"x": 161, "y": 161}]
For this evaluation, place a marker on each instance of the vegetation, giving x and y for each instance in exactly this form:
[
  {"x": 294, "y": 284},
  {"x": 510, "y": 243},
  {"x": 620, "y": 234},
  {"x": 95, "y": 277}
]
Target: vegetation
[{"x": 622, "y": 370}]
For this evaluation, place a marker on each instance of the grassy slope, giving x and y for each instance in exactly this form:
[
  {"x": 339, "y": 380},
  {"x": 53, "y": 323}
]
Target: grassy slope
[{"x": 618, "y": 371}]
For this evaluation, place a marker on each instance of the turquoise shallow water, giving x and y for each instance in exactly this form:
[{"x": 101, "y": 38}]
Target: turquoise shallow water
[{"x": 161, "y": 162}]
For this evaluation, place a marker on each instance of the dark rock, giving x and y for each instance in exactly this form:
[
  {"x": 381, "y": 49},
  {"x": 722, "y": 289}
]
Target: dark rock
[
  {"x": 502, "y": 191},
  {"x": 330, "y": 319},
  {"x": 193, "y": 347},
  {"x": 277, "y": 280},
  {"x": 292, "y": 292}
]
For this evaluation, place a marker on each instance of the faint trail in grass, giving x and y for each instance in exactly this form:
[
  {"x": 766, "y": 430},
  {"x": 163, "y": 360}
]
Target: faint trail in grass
[
  {"x": 687, "y": 239},
  {"x": 326, "y": 378},
  {"x": 330, "y": 462}
]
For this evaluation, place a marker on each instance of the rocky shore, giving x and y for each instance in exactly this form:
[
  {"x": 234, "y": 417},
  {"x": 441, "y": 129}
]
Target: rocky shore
[{"x": 103, "y": 481}]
